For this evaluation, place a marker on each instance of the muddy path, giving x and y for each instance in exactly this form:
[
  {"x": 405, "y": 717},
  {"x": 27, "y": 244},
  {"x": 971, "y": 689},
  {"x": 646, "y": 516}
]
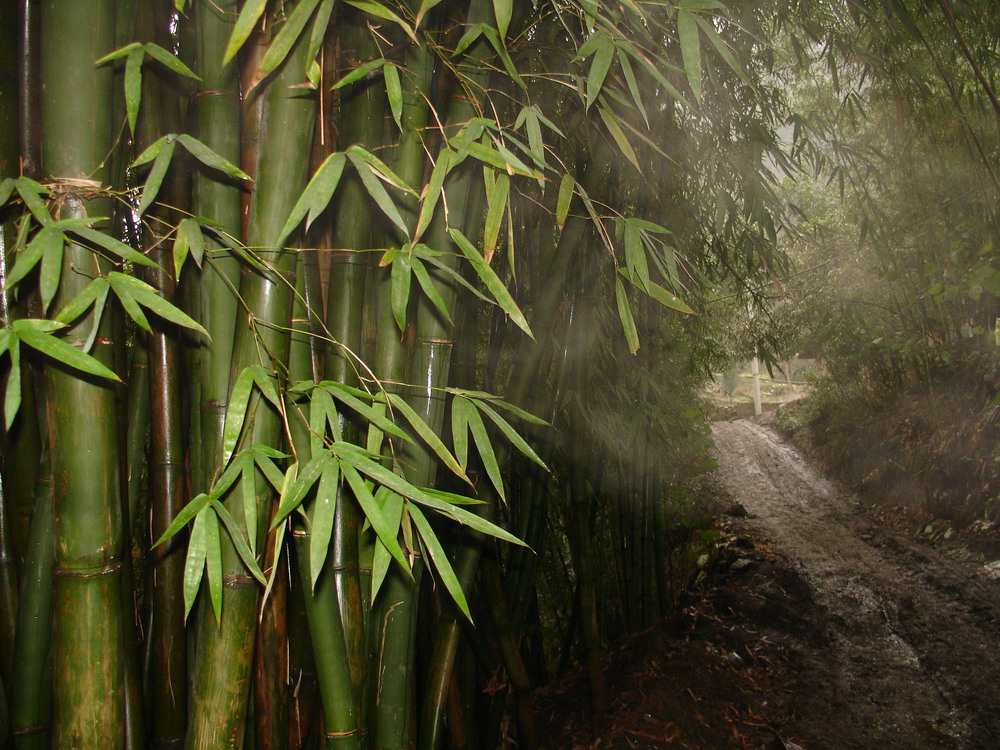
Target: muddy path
[{"x": 901, "y": 646}]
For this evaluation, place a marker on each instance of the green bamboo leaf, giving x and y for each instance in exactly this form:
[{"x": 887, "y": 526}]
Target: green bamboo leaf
[
  {"x": 149, "y": 298},
  {"x": 239, "y": 399},
  {"x": 500, "y": 403},
  {"x": 721, "y": 47},
  {"x": 509, "y": 432},
  {"x": 439, "y": 560},
  {"x": 426, "y": 434},
  {"x": 294, "y": 495},
  {"x": 381, "y": 169},
  {"x": 451, "y": 498},
  {"x": 169, "y": 60},
  {"x": 189, "y": 239},
  {"x": 429, "y": 287},
  {"x": 59, "y": 350},
  {"x": 503, "y": 10},
  {"x": 687, "y": 32},
  {"x": 12, "y": 396},
  {"x": 132, "y": 308},
  {"x": 265, "y": 381},
  {"x": 152, "y": 151},
  {"x": 391, "y": 506},
  {"x": 213, "y": 560},
  {"x": 277, "y": 547},
  {"x": 394, "y": 91},
  {"x": 155, "y": 179},
  {"x": 425, "y": 5},
  {"x": 421, "y": 251},
  {"x": 611, "y": 123},
  {"x": 194, "y": 563},
  {"x": 668, "y": 299},
  {"x": 399, "y": 287},
  {"x": 350, "y": 397},
  {"x": 221, "y": 485},
  {"x": 492, "y": 281},
  {"x": 625, "y": 313},
  {"x": 498, "y": 46},
  {"x": 290, "y": 31},
  {"x": 604, "y": 52},
  {"x": 269, "y": 469},
  {"x": 633, "y": 86},
  {"x": 321, "y": 411},
  {"x": 31, "y": 192},
  {"x": 467, "y": 518},
  {"x": 377, "y": 192},
  {"x": 319, "y": 27},
  {"x": 133, "y": 86},
  {"x": 496, "y": 199},
  {"x": 249, "y": 15},
  {"x": 182, "y": 518},
  {"x": 248, "y": 490},
  {"x": 566, "y": 188},
  {"x": 118, "y": 53},
  {"x": 635, "y": 257},
  {"x": 386, "y": 533},
  {"x": 6, "y": 190},
  {"x": 51, "y": 271},
  {"x": 209, "y": 158},
  {"x": 28, "y": 258},
  {"x": 239, "y": 541},
  {"x": 433, "y": 192},
  {"x": 380, "y": 11},
  {"x": 316, "y": 196},
  {"x": 486, "y": 453},
  {"x": 460, "y": 408},
  {"x": 324, "y": 508},
  {"x": 114, "y": 246},
  {"x": 359, "y": 72}
]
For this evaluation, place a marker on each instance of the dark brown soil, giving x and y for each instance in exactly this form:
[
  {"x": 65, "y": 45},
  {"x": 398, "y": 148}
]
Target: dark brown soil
[{"x": 816, "y": 627}]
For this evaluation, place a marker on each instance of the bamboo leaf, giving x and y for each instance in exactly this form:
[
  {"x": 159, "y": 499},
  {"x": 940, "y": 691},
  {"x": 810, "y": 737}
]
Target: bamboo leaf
[
  {"x": 194, "y": 563},
  {"x": 169, "y": 60},
  {"x": 486, "y": 453},
  {"x": 239, "y": 399},
  {"x": 460, "y": 408},
  {"x": 265, "y": 381},
  {"x": 625, "y": 313},
  {"x": 433, "y": 193},
  {"x": 429, "y": 287},
  {"x": 399, "y": 287},
  {"x": 30, "y": 192},
  {"x": 566, "y": 189},
  {"x": 118, "y": 54},
  {"x": 133, "y": 85},
  {"x": 509, "y": 432},
  {"x": 467, "y": 518},
  {"x": 248, "y": 491},
  {"x": 359, "y": 72},
  {"x": 155, "y": 179},
  {"x": 12, "y": 396},
  {"x": 319, "y": 27},
  {"x": 611, "y": 123},
  {"x": 132, "y": 308},
  {"x": 604, "y": 52},
  {"x": 151, "y": 152},
  {"x": 316, "y": 196},
  {"x": 503, "y": 10},
  {"x": 59, "y": 350},
  {"x": 213, "y": 560},
  {"x": 427, "y": 434},
  {"x": 149, "y": 298},
  {"x": 439, "y": 560},
  {"x": 6, "y": 190},
  {"x": 394, "y": 91},
  {"x": 377, "y": 192},
  {"x": 635, "y": 257},
  {"x": 721, "y": 47},
  {"x": 687, "y": 32},
  {"x": 633, "y": 86},
  {"x": 380, "y": 11},
  {"x": 182, "y": 518},
  {"x": 496, "y": 199},
  {"x": 209, "y": 158},
  {"x": 492, "y": 281},
  {"x": 386, "y": 533},
  {"x": 239, "y": 541},
  {"x": 249, "y": 15},
  {"x": 28, "y": 258},
  {"x": 295, "y": 494},
  {"x": 114, "y": 246},
  {"x": 321, "y": 410},
  {"x": 349, "y": 397},
  {"x": 51, "y": 271},
  {"x": 286, "y": 37},
  {"x": 324, "y": 508},
  {"x": 391, "y": 506},
  {"x": 190, "y": 239},
  {"x": 425, "y": 5}
]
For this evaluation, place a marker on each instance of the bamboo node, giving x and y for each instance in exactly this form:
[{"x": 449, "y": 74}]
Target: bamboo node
[
  {"x": 333, "y": 735},
  {"x": 213, "y": 92},
  {"x": 79, "y": 187},
  {"x": 116, "y": 567}
]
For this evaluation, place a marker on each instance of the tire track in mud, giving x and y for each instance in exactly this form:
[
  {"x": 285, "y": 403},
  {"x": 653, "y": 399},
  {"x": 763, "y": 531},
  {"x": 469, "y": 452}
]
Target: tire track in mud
[{"x": 910, "y": 654}]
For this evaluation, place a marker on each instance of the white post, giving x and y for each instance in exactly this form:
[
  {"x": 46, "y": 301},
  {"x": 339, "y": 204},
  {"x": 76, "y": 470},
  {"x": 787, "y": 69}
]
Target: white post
[{"x": 756, "y": 385}]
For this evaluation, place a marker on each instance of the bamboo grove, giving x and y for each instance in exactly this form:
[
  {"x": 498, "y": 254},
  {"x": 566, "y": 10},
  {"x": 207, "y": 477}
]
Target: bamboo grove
[{"x": 332, "y": 329}]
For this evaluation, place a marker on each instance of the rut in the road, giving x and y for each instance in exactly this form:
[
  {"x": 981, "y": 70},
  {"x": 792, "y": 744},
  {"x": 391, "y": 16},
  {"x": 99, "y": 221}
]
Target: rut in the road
[{"x": 913, "y": 656}]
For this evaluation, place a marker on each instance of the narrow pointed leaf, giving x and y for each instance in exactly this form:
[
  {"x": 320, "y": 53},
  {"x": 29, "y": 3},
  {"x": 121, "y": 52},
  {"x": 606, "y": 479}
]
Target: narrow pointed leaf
[
  {"x": 316, "y": 196},
  {"x": 611, "y": 123},
  {"x": 486, "y": 453},
  {"x": 566, "y": 189},
  {"x": 60, "y": 351},
  {"x": 12, "y": 397},
  {"x": 492, "y": 281},
  {"x": 687, "y": 32},
  {"x": 239, "y": 541},
  {"x": 169, "y": 60},
  {"x": 426, "y": 434},
  {"x": 133, "y": 85},
  {"x": 182, "y": 518},
  {"x": 114, "y": 246},
  {"x": 118, "y": 54},
  {"x": 239, "y": 398},
  {"x": 603, "y": 55},
  {"x": 30, "y": 192},
  {"x": 297, "y": 491},
  {"x": 213, "y": 560},
  {"x": 625, "y": 313},
  {"x": 460, "y": 429},
  {"x": 380, "y": 11},
  {"x": 324, "y": 508},
  {"x": 286, "y": 37},
  {"x": 633, "y": 86},
  {"x": 344, "y": 394},
  {"x": 249, "y": 15},
  {"x": 433, "y": 193},
  {"x": 209, "y": 158},
  {"x": 394, "y": 91},
  {"x": 359, "y": 72},
  {"x": 248, "y": 490},
  {"x": 429, "y": 287},
  {"x": 385, "y": 532},
  {"x": 151, "y": 187},
  {"x": 194, "y": 563},
  {"x": 28, "y": 258},
  {"x": 439, "y": 560},
  {"x": 503, "y": 10},
  {"x": 149, "y": 298},
  {"x": 378, "y": 193},
  {"x": 496, "y": 199},
  {"x": 510, "y": 433},
  {"x": 399, "y": 288},
  {"x": 151, "y": 152}
]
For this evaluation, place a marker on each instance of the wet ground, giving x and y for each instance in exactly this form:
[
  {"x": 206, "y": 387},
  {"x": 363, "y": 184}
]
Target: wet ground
[{"x": 817, "y": 628}]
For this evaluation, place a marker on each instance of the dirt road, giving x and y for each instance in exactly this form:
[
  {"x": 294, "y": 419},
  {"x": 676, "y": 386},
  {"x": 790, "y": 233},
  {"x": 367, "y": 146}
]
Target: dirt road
[{"x": 904, "y": 645}]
